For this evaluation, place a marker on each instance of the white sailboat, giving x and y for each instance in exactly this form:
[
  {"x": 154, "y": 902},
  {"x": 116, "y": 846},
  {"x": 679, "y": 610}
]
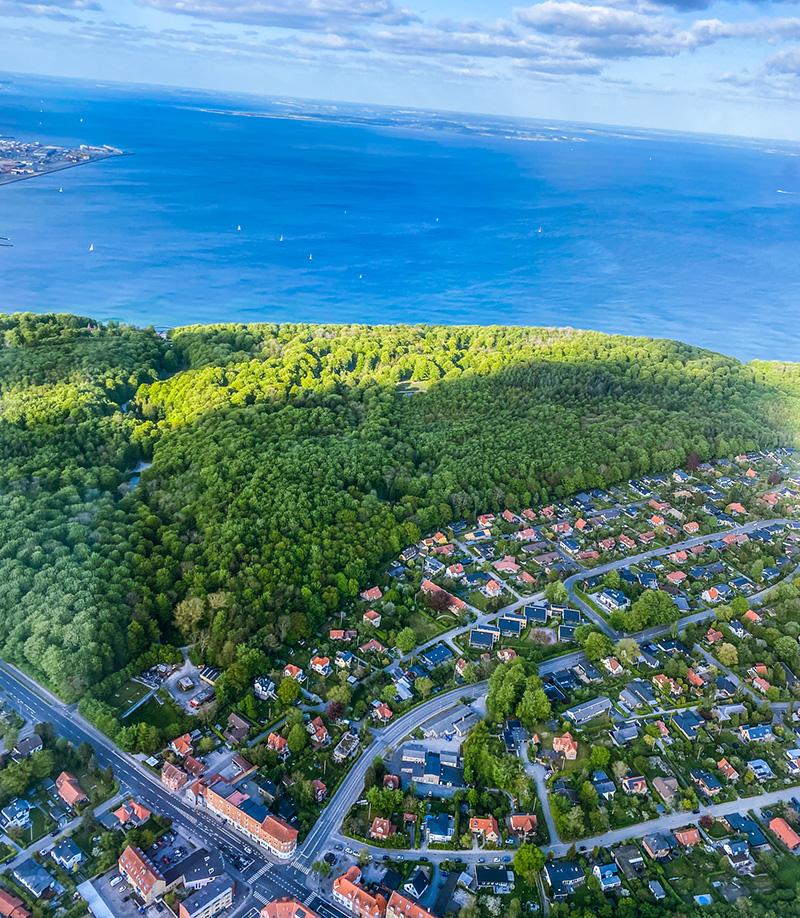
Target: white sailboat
[
  {"x": 281, "y": 239},
  {"x": 238, "y": 227},
  {"x": 310, "y": 256},
  {"x": 61, "y": 190},
  {"x": 91, "y": 247}
]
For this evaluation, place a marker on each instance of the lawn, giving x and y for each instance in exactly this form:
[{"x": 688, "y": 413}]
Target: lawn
[
  {"x": 162, "y": 715},
  {"x": 425, "y": 628},
  {"x": 40, "y": 825},
  {"x": 128, "y": 694},
  {"x": 93, "y": 783}
]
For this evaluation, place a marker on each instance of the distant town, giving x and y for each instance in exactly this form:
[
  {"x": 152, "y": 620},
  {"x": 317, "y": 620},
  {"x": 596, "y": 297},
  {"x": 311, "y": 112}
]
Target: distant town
[
  {"x": 20, "y": 159},
  {"x": 595, "y": 701}
]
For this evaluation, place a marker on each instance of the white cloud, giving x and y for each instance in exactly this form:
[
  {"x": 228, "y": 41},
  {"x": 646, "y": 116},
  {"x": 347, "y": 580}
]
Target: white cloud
[
  {"x": 47, "y": 9},
  {"x": 290, "y": 14}
]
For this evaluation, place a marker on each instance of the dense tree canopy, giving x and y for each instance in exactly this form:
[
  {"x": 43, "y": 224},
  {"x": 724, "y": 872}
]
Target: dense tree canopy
[{"x": 290, "y": 462}]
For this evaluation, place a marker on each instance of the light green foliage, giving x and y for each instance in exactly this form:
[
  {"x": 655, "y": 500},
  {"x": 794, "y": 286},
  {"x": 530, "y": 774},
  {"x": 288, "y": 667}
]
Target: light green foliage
[{"x": 287, "y": 469}]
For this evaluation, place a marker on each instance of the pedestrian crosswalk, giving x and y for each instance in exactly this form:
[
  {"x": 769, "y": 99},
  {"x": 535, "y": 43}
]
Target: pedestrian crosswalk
[
  {"x": 303, "y": 868},
  {"x": 260, "y": 897},
  {"x": 260, "y": 872}
]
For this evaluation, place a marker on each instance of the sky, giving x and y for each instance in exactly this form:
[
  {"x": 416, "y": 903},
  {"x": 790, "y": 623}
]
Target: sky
[{"x": 716, "y": 66}]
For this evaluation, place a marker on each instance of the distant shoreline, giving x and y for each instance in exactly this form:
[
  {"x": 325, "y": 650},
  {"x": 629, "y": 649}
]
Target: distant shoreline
[{"x": 10, "y": 180}]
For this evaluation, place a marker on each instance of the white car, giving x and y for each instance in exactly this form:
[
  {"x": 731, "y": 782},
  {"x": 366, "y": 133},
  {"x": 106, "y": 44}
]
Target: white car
[{"x": 115, "y": 882}]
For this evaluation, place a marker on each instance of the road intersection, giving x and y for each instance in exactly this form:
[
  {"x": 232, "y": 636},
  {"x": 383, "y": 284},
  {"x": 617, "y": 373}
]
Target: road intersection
[{"x": 266, "y": 877}]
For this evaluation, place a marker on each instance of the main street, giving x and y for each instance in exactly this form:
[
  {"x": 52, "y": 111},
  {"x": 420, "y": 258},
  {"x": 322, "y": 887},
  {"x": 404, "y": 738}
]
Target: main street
[{"x": 267, "y": 878}]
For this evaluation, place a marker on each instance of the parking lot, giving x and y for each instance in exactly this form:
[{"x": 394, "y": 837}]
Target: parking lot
[
  {"x": 116, "y": 892},
  {"x": 182, "y": 698}
]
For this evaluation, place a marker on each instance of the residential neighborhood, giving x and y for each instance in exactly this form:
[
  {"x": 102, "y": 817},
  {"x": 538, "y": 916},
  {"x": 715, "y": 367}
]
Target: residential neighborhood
[{"x": 595, "y": 697}]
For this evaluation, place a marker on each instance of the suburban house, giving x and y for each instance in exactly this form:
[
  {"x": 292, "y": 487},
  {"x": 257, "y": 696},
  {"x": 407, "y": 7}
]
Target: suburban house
[
  {"x": 629, "y": 860},
  {"x": 237, "y": 730},
  {"x": 27, "y": 746},
  {"x": 563, "y": 877},
  {"x": 707, "y": 783},
  {"x": 346, "y": 748},
  {"x": 634, "y": 785},
  {"x": 522, "y": 825},
  {"x": 605, "y": 787},
  {"x": 182, "y": 745},
  {"x": 11, "y": 906},
  {"x": 756, "y": 733},
  {"x": 440, "y": 828},
  {"x": 486, "y": 827},
  {"x": 687, "y": 723},
  {"x": 613, "y": 600},
  {"x": 492, "y": 876},
  {"x": 69, "y": 790},
  {"x": 608, "y": 875},
  {"x": 782, "y": 830},
  {"x": 132, "y": 813},
  {"x": 381, "y": 829},
  {"x": 17, "y": 814},
  {"x": 688, "y": 837},
  {"x": 67, "y": 855},
  {"x": 613, "y": 666},
  {"x": 321, "y": 665},
  {"x": 381, "y": 712},
  {"x": 666, "y": 788},
  {"x": 589, "y": 710},
  {"x": 567, "y": 746},
  {"x": 738, "y": 855},
  {"x": 371, "y": 617},
  {"x": 278, "y": 743},
  {"x": 318, "y": 732},
  {"x": 727, "y": 770},
  {"x": 33, "y": 876},
  {"x": 657, "y": 846}
]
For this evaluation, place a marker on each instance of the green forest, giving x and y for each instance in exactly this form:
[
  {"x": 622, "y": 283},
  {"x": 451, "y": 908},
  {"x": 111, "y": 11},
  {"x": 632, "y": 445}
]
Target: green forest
[{"x": 290, "y": 462}]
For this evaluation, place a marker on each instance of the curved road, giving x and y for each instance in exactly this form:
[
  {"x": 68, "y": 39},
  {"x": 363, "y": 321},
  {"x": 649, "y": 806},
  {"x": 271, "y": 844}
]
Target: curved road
[
  {"x": 350, "y": 789},
  {"x": 601, "y": 569}
]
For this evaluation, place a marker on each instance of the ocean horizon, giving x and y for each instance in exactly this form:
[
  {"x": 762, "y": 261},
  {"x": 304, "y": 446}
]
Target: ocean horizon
[{"x": 234, "y": 208}]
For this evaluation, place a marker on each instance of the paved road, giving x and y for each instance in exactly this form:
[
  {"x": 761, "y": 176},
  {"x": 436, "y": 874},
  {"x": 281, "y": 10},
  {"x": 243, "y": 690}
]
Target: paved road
[
  {"x": 36, "y": 703},
  {"x": 269, "y": 878},
  {"x": 350, "y": 789},
  {"x": 601, "y": 569},
  {"x": 673, "y": 821},
  {"x": 539, "y": 775}
]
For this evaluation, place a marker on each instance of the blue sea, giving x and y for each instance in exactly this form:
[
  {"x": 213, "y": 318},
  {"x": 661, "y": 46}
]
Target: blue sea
[{"x": 398, "y": 216}]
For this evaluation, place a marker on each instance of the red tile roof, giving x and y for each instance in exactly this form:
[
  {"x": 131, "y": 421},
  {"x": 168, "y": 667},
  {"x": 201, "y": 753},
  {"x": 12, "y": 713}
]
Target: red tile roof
[
  {"x": 401, "y": 907},
  {"x": 785, "y": 833},
  {"x": 287, "y": 908},
  {"x": 11, "y": 906},
  {"x": 69, "y": 790}
]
